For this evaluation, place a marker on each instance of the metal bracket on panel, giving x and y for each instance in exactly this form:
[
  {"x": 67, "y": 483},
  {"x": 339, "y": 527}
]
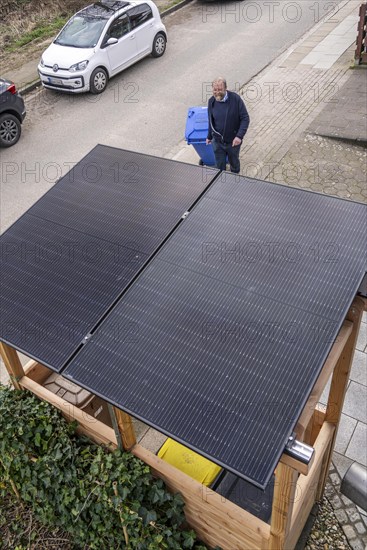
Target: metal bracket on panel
[
  {"x": 299, "y": 450},
  {"x": 184, "y": 216},
  {"x": 86, "y": 338}
]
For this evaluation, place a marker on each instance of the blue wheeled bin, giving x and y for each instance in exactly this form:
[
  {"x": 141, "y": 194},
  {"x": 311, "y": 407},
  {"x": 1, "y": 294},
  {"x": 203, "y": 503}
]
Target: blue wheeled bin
[{"x": 196, "y": 132}]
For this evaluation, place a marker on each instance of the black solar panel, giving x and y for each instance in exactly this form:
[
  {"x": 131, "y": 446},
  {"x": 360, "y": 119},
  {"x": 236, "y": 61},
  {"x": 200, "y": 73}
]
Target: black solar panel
[
  {"x": 232, "y": 321},
  {"x": 66, "y": 261}
]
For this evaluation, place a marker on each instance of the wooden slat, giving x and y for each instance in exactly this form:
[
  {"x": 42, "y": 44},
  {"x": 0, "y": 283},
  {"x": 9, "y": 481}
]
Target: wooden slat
[
  {"x": 12, "y": 364},
  {"x": 307, "y": 487},
  {"x": 217, "y": 521},
  {"x": 316, "y": 423},
  {"x": 324, "y": 376},
  {"x": 285, "y": 488}
]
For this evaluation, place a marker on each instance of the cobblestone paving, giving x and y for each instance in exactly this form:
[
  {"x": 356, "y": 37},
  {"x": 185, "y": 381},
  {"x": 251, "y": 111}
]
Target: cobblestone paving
[
  {"x": 290, "y": 107},
  {"x": 282, "y": 104},
  {"x": 352, "y": 520},
  {"x": 324, "y": 165}
]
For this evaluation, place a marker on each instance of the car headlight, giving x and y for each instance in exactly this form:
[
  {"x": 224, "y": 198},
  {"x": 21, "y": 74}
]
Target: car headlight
[
  {"x": 79, "y": 66},
  {"x": 42, "y": 63}
]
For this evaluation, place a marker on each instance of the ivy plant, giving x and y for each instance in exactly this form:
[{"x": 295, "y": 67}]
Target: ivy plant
[{"x": 103, "y": 499}]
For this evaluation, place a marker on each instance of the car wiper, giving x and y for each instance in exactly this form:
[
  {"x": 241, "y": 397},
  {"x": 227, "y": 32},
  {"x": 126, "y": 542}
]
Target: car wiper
[{"x": 71, "y": 45}]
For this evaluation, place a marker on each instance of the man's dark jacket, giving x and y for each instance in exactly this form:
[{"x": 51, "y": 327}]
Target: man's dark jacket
[{"x": 237, "y": 119}]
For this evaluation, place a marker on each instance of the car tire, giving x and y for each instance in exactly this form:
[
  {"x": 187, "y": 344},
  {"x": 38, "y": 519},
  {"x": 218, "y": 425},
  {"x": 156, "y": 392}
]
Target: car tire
[
  {"x": 159, "y": 45},
  {"x": 98, "y": 81},
  {"x": 10, "y": 130}
]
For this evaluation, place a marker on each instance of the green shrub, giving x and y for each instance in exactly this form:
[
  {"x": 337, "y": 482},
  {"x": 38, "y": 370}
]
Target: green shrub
[{"x": 103, "y": 499}]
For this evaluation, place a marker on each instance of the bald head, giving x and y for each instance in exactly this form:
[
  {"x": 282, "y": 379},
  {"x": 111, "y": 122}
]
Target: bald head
[{"x": 220, "y": 80}]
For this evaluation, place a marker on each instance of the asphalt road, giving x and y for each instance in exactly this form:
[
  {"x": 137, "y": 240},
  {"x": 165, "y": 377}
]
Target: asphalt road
[{"x": 145, "y": 108}]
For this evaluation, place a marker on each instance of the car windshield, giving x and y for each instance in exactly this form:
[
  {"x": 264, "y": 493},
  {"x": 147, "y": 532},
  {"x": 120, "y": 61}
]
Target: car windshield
[
  {"x": 82, "y": 31},
  {"x": 3, "y": 85}
]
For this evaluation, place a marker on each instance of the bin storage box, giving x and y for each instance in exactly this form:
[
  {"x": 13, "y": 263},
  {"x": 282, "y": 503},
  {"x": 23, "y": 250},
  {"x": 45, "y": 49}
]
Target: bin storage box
[
  {"x": 77, "y": 396},
  {"x": 196, "y": 132}
]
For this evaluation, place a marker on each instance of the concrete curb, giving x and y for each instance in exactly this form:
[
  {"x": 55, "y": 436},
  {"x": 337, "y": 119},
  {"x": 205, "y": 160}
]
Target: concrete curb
[
  {"x": 29, "y": 87},
  {"x": 172, "y": 9}
]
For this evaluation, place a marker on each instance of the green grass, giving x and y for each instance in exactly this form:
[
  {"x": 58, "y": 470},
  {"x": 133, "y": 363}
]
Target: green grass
[{"x": 41, "y": 31}]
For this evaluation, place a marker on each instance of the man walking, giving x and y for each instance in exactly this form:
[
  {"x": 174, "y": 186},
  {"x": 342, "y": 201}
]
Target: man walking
[{"x": 228, "y": 123}]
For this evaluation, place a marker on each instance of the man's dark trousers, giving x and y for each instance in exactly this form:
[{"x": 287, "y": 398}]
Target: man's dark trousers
[{"x": 221, "y": 151}]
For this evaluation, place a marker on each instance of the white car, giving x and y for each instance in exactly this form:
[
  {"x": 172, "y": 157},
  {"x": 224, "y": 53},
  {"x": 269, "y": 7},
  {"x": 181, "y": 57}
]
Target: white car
[{"x": 100, "y": 41}]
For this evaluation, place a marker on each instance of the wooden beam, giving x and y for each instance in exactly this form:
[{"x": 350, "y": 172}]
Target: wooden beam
[
  {"x": 307, "y": 486},
  {"x": 324, "y": 376},
  {"x": 30, "y": 365},
  {"x": 12, "y": 364},
  {"x": 339, "y": 382},
  {"x": 285, "y": 488},
  {"x": 125, "y": 428}
]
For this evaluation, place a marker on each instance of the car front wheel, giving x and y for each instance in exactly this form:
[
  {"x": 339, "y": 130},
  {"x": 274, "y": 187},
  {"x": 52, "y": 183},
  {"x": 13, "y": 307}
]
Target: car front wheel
[
  {"x": 10, "y": 130},
  {"x": 98, "y": 81},
  {"x": 159, "y": 45}
]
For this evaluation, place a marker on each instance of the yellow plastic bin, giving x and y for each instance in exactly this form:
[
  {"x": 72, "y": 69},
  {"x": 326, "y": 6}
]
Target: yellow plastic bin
[{"x": 189, "y": 462}]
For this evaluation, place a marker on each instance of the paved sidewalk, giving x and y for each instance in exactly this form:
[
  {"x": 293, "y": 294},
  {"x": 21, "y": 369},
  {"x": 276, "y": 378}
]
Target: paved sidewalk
[{"x": 308, "y": 129}]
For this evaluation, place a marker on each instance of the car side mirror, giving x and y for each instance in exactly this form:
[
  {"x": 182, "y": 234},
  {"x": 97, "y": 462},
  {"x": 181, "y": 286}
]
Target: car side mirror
[{"x": 111, "y": 41}]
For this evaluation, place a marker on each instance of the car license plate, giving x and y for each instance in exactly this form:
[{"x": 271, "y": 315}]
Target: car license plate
[{"x": 56, "y": 81}]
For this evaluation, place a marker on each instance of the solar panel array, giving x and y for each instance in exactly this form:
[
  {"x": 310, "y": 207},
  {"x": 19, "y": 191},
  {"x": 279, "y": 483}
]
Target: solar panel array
[
  {"x": 70, "y": 256},
  {"x": 216, "y": 339},
  {"x": 221, "y": 338}
]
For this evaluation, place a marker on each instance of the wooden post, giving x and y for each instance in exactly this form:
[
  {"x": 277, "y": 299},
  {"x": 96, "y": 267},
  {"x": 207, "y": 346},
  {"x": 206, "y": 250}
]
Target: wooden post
[
  {"x": 360, "y": 55},
  {"x": 284, "y": 496},
  {"x": 124, "y": 429},
  {"x": 339, "y": 383},
  {"x": 12, "y": 364}
]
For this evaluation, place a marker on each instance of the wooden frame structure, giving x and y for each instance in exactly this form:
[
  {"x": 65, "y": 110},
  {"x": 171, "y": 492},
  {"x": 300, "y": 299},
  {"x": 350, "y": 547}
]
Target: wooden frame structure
[
  {"x": 360, "y": 55},
  {"x": 216, "y": 520}
]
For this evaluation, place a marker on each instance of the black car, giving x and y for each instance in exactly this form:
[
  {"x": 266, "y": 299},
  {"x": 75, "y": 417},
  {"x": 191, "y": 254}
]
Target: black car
[{"x": 12, "y": 113}]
